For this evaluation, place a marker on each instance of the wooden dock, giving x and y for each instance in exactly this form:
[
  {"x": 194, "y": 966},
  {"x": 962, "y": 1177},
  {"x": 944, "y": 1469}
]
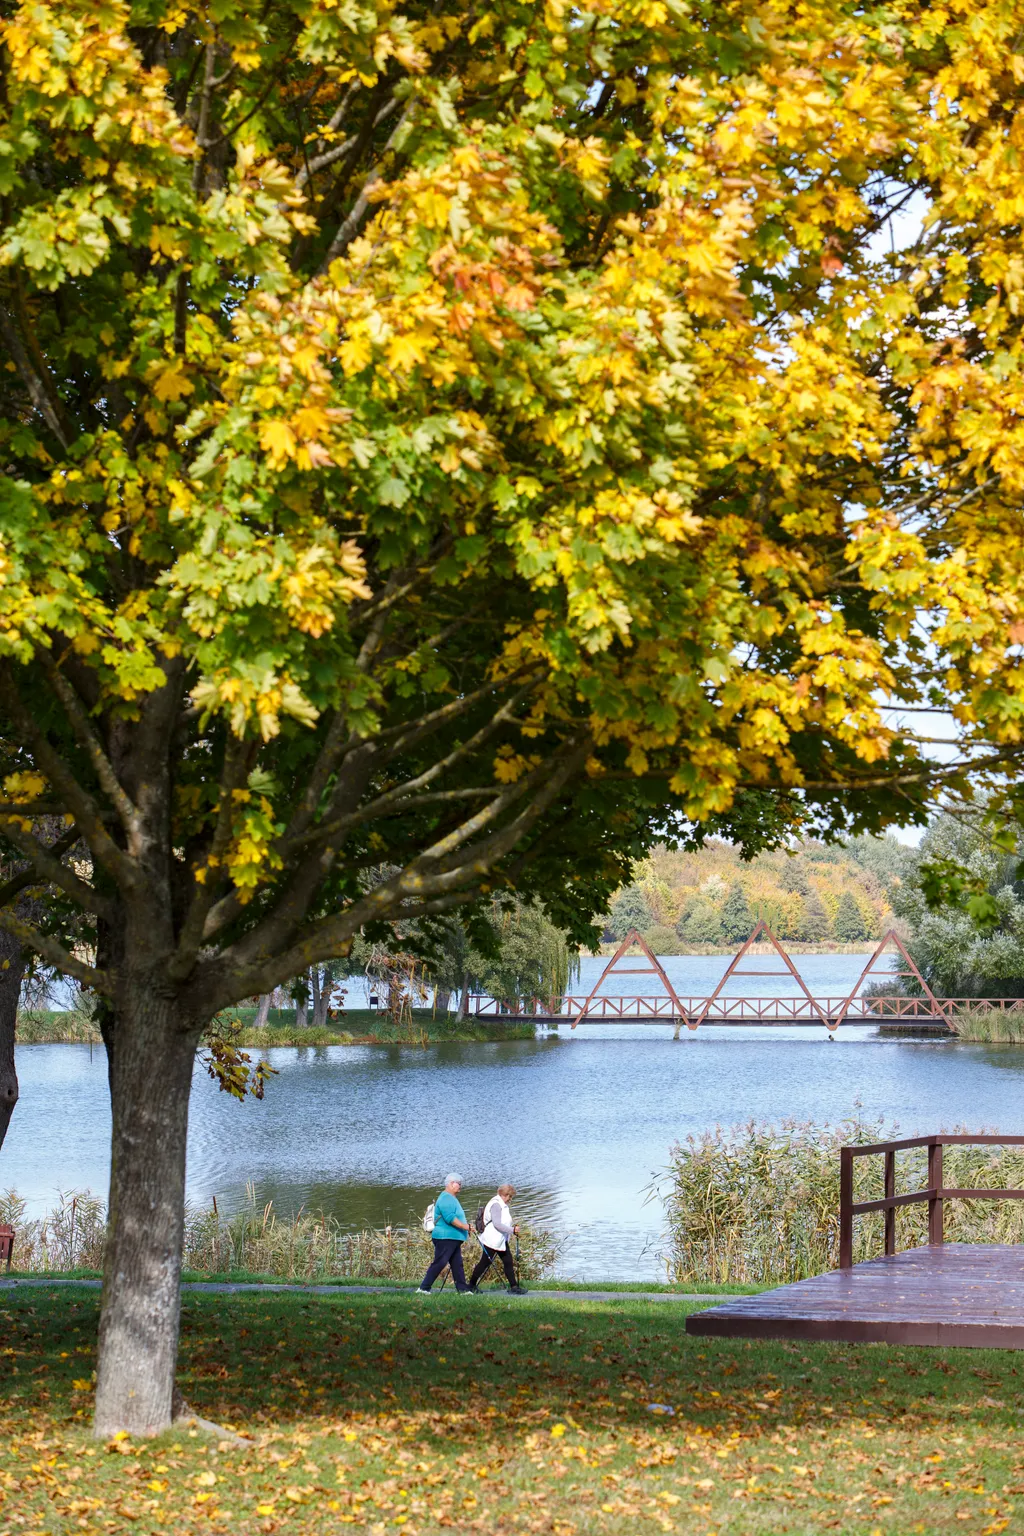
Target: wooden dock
[{"x": 961, "y": 1295}]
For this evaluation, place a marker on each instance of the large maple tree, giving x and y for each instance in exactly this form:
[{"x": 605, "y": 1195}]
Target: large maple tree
[{"x": 440, "y": 446}]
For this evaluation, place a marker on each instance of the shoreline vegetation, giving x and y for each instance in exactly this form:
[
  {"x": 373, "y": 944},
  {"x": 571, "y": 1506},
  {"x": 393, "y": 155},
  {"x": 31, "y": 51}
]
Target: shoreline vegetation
[
  {"x": 307, "y": 1246},
  {"x": 356, "y": 1026}
]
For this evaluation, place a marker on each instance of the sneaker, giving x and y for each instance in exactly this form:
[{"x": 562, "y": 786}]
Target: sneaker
[
  {"x": 518, "y": 1290},
  {"x": 467, "y": 1291},
  {"x": 421, "y": 1292}
]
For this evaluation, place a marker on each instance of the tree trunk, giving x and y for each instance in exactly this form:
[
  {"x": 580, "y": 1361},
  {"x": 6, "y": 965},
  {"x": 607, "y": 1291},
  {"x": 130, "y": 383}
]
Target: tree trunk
[
  {"x": 150, "y": 1048},
  {"x": 12, "y": 969},
  {"x": 301, "y": 1009},
  {"x": 463, "y": 1000},
  {"x": 314, "y": 977},
  {"x": 322, "y": 994},
  {"x": 262, "y": 1011},
  {"x": 442, "y": 997}
]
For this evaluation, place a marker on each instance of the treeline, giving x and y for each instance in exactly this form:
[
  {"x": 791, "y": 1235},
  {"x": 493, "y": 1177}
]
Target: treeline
[{"x": 815, "y": 893}]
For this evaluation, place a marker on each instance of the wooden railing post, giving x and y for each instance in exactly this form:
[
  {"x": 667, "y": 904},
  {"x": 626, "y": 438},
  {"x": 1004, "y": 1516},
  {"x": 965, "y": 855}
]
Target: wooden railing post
[
  {"x": 846, "y": 1208},
  {"x": 935, "y": 1234},
  {"x": 890, "y": 1211}
]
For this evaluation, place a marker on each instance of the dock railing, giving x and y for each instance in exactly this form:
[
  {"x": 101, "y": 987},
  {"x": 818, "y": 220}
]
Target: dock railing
[{"x": 935, "y": 1194}]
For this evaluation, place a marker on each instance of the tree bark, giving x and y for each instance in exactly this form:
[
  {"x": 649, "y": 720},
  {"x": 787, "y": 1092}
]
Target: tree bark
[
  {"x": 323, "y": 987},
  {"x": 302, "y": 1007},
  {"x": 150, "y": 1048},
  {"x": 12, "y": 969},
  {"x": 263, "y": 1009},
  {"x": 463, "y": 1000}
]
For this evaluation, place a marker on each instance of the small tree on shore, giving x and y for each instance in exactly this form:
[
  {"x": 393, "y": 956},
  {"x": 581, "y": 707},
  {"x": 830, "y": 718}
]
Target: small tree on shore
[
  {"x": 815, "y": 927},
  {"x": 629, "y": 910},
  {"x": 849, "y": 926},
  {"x": 737, "y": 918}
]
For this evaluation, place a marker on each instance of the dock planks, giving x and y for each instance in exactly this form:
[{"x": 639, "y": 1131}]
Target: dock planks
[{"x": 961, "y": 1295}]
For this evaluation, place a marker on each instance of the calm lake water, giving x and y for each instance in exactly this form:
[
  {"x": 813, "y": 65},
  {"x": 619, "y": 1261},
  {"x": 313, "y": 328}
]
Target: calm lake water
[{"x": 581, "y": 1122}]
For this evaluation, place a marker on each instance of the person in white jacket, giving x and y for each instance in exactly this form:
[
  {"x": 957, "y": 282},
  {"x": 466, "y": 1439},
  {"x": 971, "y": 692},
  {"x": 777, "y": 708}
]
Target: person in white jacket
[{"x": 494, "y": 1240}]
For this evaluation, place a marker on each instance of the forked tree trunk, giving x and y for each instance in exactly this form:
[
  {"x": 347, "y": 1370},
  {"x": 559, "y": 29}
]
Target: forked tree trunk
[
  {"x": 323, "y": 988},
  {"x": 150, "y": 1066},
  {"x": 12, "y": 969}
]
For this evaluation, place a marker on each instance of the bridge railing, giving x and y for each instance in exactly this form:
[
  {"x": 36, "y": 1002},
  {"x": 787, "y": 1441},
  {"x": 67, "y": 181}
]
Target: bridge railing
[{"x": 725, "y": 1009}]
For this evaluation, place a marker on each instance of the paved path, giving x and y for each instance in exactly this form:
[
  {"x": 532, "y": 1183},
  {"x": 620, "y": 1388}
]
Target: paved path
[{"x": 229, "y": 1288}]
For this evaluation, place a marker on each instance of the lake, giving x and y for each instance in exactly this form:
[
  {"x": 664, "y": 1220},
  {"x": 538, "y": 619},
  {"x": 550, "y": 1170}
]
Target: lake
[{"x": 580, "y": 1121}]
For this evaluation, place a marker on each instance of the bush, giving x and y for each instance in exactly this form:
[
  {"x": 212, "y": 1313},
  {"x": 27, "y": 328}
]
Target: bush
[
  {"x": 663, "y": 940},
  {"x": 759, "y": 1204},
  {"x": 703, "y": 926}
]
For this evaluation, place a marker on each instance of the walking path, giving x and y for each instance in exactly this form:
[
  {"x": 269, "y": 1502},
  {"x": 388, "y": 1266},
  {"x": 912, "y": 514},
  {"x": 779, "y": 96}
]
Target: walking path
[{"x": 231, "y": 1288}]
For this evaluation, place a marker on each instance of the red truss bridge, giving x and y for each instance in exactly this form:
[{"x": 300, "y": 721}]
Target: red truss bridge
[{"x": 666, "y": 1006}]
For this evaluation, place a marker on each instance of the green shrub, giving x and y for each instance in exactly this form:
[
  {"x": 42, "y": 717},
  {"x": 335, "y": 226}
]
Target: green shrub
[{"x": 663, "y": 940}]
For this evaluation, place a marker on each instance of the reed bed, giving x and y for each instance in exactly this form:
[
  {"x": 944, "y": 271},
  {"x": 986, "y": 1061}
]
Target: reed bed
[
  {"x": 44, "y": 1026},
  {"x": 253, "y": 1240},
  {"x": 759, "y": 1204},
  {"x": 992, "y": 1027}
]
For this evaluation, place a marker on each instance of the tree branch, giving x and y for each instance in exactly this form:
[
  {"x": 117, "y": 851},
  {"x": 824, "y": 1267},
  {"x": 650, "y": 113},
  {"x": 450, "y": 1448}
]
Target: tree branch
[
  {"x": 55, "y": 954},
  {"x": 28, "y": 877},
  {"x": 350, "y": 225},
  {"x": 88, "y": 739},
  {"x": 238, "y": 759},
  {"x": 33, "y": 383},
  {"x": 50, "y": 867},
  {"x": 78, "y": 801}
]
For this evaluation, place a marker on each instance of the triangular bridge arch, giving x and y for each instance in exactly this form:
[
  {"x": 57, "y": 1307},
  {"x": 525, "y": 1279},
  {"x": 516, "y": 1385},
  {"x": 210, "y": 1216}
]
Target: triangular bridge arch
[
  {"x": 764, "y": 933},
  {"x": 634, "y": 940},
  {"x": 908, "y": 972}
]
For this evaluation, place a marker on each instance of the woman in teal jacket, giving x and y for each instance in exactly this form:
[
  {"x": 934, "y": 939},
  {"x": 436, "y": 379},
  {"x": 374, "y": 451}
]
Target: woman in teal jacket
[{"x": 450, "y": 1232}]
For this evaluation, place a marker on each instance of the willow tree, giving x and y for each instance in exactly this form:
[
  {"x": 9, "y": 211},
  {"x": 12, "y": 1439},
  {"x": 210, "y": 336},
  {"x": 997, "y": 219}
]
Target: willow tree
[{"x": 449, "y": 442}]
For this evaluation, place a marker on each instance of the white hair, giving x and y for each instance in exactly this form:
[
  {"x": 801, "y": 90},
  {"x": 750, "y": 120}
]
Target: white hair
[{"x": 454, "y": 1178}]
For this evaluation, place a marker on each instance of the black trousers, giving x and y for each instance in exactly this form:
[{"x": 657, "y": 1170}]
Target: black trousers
[
  {"x": 487, "y": 1259},
  {"x": 446, "y": 1251}
]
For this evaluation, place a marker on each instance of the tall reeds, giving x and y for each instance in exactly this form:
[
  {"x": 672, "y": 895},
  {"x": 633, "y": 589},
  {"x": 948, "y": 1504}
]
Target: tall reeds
[
  {"x": 992, "y": 1026},
  {"x": 759, "y": 1204},
  {"x": 252, "y": 1240}
]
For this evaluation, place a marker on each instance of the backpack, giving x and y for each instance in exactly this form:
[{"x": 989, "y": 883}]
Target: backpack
[
  {"x": 428, "y": 1217},
  {"x": 480, "y": 1220}
]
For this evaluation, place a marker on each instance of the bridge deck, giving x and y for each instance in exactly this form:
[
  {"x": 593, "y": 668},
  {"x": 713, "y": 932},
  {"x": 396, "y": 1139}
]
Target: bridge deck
[{"x": 962, "y": 1295}]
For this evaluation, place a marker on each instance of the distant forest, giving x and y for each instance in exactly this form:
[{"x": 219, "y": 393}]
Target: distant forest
[{"x": 816, "y": 894}]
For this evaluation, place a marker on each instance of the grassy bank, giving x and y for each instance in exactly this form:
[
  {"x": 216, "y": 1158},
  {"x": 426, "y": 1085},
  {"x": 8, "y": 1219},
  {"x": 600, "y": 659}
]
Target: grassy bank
[
  {"x": 386, "y": 1414},
  {"x": 358, "y": 1026}
]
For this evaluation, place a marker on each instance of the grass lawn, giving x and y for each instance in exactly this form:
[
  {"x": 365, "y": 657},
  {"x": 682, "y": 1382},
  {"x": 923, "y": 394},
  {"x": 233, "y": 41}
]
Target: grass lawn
[{"x": 400, "y": 1413}]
